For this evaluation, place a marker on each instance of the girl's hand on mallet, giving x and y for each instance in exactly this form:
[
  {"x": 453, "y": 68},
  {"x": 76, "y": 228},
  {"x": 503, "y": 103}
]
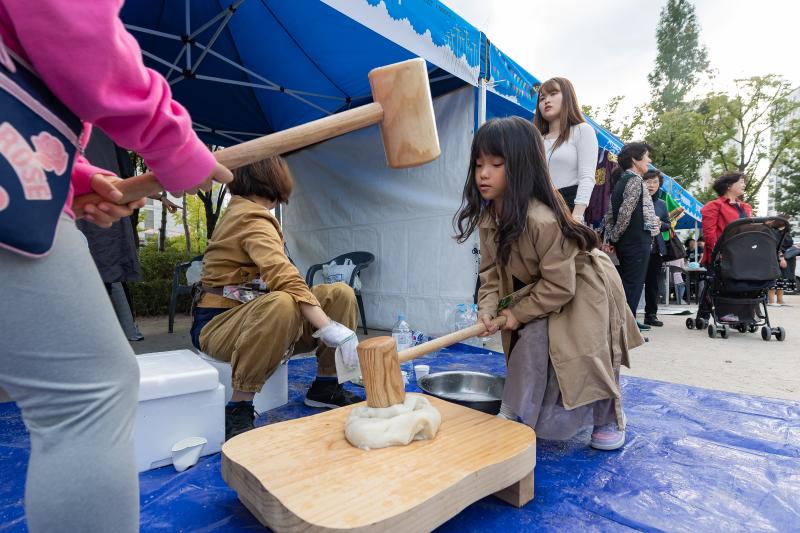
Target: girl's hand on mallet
[
  {"x": 512, "y": 324},
  {"x": 491, "y": 329},
  {"x": 106, "y": 211}
]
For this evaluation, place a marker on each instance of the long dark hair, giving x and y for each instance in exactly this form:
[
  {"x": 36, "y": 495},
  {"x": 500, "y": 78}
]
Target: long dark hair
[
  {"x": 520, "y": 144},
  {"x": 570, "y": 110}
]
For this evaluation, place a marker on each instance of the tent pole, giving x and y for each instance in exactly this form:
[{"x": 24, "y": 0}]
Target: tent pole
[{"x": 481, "y": 101}]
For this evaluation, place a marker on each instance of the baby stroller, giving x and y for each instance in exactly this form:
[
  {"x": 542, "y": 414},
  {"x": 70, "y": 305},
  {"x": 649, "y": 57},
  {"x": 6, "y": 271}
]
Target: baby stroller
[{"x": 744, "y": 265}]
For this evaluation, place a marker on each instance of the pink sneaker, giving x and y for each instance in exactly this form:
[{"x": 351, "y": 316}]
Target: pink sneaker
[{"x": 607, "y": 437}]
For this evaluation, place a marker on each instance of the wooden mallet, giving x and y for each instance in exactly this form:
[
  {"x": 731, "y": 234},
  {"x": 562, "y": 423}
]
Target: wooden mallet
[
  {"x": 380, "y": 362},
  {"x": 402, "y": 106}
]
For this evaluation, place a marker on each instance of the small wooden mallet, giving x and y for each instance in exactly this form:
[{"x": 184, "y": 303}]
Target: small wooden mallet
[
  {"x": 401, "y": 104},
  {"x": 380, "y": 362}
]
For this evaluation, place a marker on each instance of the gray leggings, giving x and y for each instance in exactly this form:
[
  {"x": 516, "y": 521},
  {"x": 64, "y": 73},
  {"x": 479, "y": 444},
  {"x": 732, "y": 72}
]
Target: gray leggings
[{"x": 65, "y": 361}]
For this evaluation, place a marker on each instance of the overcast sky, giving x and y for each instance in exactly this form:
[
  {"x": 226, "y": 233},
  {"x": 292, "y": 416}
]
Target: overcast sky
[{"x": 607, "y": 47}]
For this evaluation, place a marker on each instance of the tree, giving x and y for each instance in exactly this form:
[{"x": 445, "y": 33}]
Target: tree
[
  {"x": 166, "y": 206},
  {"x": 607, "y": 116},
  {"x": 678, "y": 145},
  {"x": 136, "y": 217},
  {"x": 212, "y": 202},
  {"x": 185, "y": 222},
  {"x": 195, "y": 226},
  {"x": 788, "y": 197},
  {"x": 752, "y": 131},
  {"x": 680, "y": 59}
]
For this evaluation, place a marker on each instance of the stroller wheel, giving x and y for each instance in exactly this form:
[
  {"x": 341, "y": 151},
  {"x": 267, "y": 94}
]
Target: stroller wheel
[
  {"x": 723, "y": 331},
  {"x": 690, "y": 323},
  {"x": 700, "y": 323},
  {"x": 779, "y": 333},
  {"x": 766, "y": 333},
  {"x": 752, "y": 328},
  {"x": 742, "y": 328},
  {"x": 712, "y": 330}
]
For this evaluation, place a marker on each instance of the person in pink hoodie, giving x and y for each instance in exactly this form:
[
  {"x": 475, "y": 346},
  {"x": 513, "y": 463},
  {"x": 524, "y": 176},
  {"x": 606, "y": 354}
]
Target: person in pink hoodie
[{"x": 63, "y": 356}]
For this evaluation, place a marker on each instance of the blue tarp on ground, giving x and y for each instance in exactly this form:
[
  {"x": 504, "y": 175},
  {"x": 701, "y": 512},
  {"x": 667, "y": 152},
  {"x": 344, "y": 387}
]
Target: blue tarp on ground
[{"x": 695, "y": 460}]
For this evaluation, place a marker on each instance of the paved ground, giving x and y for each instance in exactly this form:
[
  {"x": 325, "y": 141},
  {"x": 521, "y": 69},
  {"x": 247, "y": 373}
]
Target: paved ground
[{"x": 741, "y": 363}]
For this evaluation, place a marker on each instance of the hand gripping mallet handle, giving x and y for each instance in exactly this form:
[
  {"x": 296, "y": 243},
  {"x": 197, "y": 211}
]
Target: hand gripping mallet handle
[
  {"x": 446, "y": 340},
  {"x": 402, "y": 106}
]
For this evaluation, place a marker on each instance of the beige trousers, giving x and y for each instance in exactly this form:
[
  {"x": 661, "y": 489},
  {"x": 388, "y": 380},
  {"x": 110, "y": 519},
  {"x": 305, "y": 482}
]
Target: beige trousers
[{"x": 256, "y": 337}]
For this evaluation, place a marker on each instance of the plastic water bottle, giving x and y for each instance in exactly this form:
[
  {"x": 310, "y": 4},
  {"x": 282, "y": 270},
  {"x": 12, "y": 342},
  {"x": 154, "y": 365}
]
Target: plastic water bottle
[
  {"x": 403, "y": 338},
  {"x": 466, "y": 315}
]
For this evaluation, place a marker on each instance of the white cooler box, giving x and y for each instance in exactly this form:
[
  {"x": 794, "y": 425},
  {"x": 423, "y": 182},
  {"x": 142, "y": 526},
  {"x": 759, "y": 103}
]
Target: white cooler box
[{"x": 180, "y": 396}]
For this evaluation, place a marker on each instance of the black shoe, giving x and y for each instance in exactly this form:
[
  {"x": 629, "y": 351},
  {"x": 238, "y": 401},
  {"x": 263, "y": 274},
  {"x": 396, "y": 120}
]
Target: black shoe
[
  {"x": 643, "y": 327},
  {"x": 239, "y": 418},
  {"x": 653, "y": 320},
  {"x": 330, "y": 394}
]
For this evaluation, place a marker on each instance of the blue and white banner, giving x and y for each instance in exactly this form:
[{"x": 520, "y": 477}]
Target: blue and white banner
[{"x": 427, "y": 28}]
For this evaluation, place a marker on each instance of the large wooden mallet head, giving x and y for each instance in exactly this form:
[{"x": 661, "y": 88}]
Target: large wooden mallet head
[
  {"x": 380, "y": 362},
  {"x": 401, "y": 104},
  {"x": 408, "y": 126}
]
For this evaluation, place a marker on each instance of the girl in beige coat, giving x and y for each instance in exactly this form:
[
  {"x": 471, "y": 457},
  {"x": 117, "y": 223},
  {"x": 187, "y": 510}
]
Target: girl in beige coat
[{"x": 568, "y": 329}]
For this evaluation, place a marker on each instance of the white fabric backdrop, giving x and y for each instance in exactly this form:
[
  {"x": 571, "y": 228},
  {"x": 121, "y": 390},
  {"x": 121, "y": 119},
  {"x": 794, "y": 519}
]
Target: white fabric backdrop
[{"x": 347, "y": 199}]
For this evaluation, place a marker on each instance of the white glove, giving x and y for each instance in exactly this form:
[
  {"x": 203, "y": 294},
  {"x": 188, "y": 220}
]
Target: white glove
[{"x": 343, "y": 339}]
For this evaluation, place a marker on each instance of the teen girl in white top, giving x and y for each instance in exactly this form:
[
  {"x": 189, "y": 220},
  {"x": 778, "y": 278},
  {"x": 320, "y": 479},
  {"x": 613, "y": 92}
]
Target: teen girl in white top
[{"x": 570, "y": 143}]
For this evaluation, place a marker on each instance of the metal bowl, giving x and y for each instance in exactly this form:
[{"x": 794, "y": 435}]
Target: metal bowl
[{"x": 476, "y": 390}]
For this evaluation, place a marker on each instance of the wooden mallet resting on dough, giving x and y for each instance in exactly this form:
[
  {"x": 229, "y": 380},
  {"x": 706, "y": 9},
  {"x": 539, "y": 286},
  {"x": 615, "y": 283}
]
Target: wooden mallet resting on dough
[
  {"x": 402, "y": 106},
  {"x": 380, "y": 362}
]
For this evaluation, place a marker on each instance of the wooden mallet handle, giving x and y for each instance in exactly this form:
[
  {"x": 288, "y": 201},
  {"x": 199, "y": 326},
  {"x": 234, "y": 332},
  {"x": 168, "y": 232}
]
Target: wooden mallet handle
[
  {"x": 446, "y": 340},
  {"x": 254, "y": 150}
]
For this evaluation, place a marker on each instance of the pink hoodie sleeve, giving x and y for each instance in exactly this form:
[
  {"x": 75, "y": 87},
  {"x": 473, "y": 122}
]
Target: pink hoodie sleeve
[
  {"x": 87, "y": 58},
  {"x": 82, "y": 172}
]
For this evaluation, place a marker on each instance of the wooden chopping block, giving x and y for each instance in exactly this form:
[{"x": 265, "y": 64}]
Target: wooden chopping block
[
  {"x": 303, "y": 475},
  {"x": 402, "y": 105}
]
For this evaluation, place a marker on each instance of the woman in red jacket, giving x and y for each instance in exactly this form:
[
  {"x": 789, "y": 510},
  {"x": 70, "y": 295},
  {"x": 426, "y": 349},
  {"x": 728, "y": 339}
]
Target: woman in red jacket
[{"x": 717, "y": 214}]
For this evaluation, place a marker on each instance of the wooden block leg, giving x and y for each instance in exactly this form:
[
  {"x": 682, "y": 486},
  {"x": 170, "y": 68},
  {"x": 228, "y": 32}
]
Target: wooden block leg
[{"x": 519, "y": 493}]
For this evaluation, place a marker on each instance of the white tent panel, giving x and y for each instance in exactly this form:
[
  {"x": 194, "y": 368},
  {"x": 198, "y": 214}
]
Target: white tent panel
[{"x": 347, "y": 199}]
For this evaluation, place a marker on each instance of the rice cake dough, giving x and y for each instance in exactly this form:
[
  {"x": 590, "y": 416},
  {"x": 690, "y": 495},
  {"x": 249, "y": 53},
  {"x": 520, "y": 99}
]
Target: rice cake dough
[{"x": 396, "y": 425}]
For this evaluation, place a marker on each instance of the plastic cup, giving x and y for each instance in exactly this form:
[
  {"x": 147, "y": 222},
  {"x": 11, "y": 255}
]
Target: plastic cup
[
  {"x": 421, "y": 371},
  {"x": 186, "y": 452}
]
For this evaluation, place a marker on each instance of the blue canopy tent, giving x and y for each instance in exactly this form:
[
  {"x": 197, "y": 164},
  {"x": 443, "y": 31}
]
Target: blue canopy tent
[{"x": 245, "y": 68}]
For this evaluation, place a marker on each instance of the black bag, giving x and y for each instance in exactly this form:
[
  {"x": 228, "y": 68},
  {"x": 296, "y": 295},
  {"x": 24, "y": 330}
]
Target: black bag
[{"x": 675, "y": 249}]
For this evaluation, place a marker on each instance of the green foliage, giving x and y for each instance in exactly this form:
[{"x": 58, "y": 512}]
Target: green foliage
[
  {"x": 706, "y": 195},
  {"x": 752, "y": 131},
  {"x": 680, "y": 60},
  {"x": 678, "y": 145},
  {"x": 607, "y": 116},
  {"x": 788, "y": 201},
  {"x": 195, "y": 223},
  {"x": 151, "y": 295}
]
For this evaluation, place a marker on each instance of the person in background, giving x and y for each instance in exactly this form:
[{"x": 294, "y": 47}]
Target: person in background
[
  {"x": 653, "y": 180},
  {"x": 114, "y": 249},
  {"x": 255, "y": 335},
  {"x": 570, "y": 144},
  {"x": 786, "y": 282},
  {"x": 631, "y": 221},
  {"x": 678, "y": 281},
  {"x": 717, "y": 214},
  {"x": 693, "y": 255},
  {"x": 63, "y": 357},
  {"x": 701, "y": 247}
]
